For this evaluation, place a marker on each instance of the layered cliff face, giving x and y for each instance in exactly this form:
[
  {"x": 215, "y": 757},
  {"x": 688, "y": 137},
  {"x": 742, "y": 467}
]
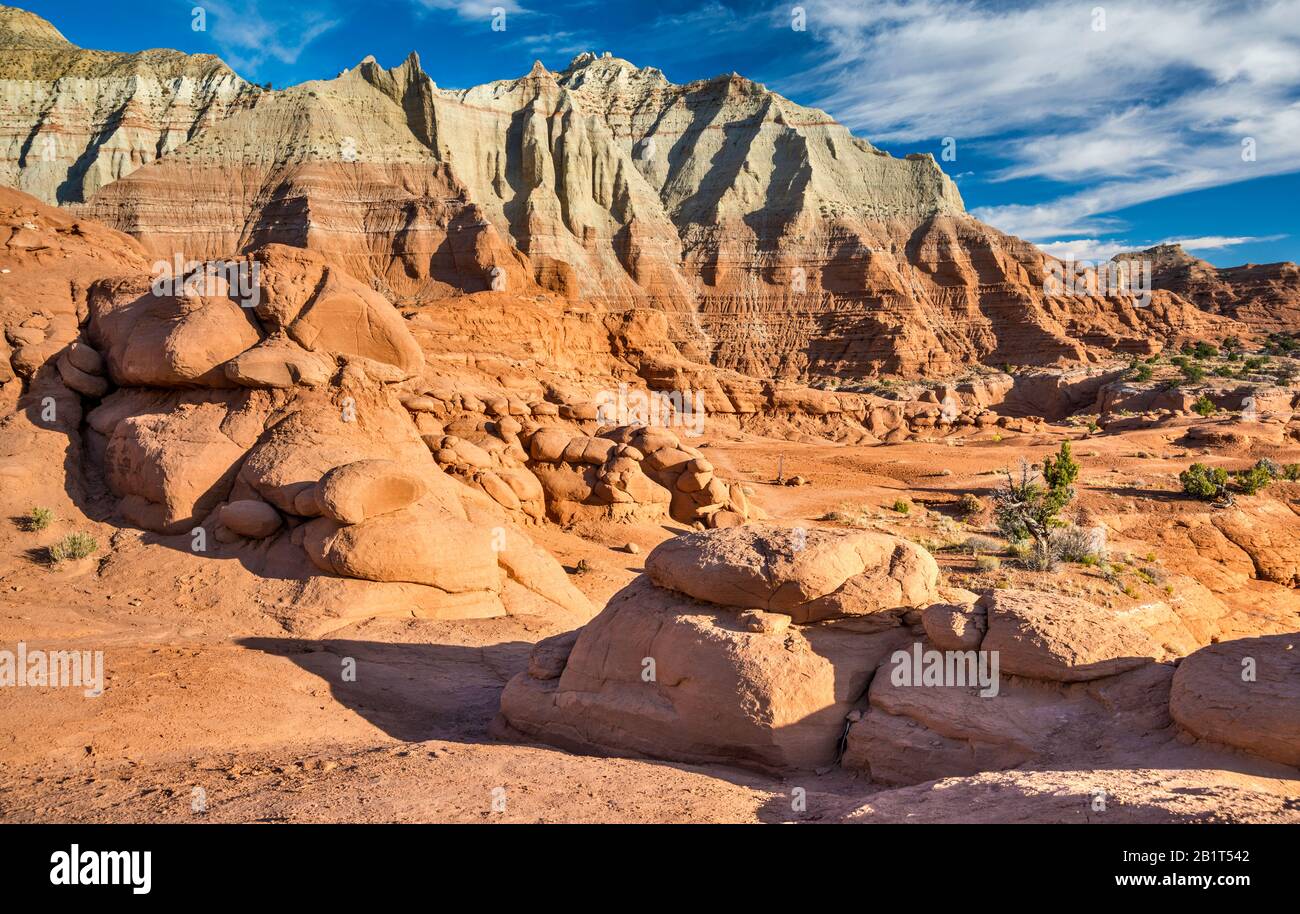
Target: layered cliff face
[
  {"x": 1266, "y": 296},
  {"x": 776, "y": 243},
  {"x": 333, "y": 166},
  {"x": 73, "y": 120}
]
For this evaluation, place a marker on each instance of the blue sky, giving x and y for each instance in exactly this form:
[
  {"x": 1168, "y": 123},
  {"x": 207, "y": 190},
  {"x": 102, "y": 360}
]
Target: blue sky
[{"x": 1086, "y": 132}]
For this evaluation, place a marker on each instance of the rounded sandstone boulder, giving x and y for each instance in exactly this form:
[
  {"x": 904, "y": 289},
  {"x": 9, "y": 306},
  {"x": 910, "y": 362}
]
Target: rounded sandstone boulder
[
  {"x": 1063, "y": 639},
  {"x": 807, "y": 574},
  {"x": 1245, "y": 693},
  {"x": 367, "y": 488},
  {"x": 251, "y": 518}
]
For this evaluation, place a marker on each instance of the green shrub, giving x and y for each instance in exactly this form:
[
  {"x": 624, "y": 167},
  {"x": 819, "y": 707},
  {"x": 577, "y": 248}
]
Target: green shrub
[
  {"x": 902, "y": 506},
  {"x": 1205, "y": 483},
  {"x": 74, "y": 546},
  {"x": 1061, "y": 472},
  {"x": 1204, "y": 406},
  {"x": 1192, "y": 373},
  {"x": 1254, "y": 480},
  {"x": 1204, "y": 350},
  {"x": 1291, "y": 472},
  {"x": 970, "y": 505},
  {"x": 37, "y": 519},
  {"x": 1140, "y": 371},
  {"x": 1042, "y": 556}
]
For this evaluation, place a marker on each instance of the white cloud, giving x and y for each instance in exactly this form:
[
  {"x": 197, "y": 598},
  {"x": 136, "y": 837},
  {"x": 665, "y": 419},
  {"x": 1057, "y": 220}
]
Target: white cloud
[
  {"x": 555, "y": 43},
  {"x": 1101, "y": 249},
  {"x": 1219, "y": 242},
  {"x": 1086, "y": 249},
  {"x": 474, "y": 9},
  {"x": 1156, "y": 104},
  {"x": 248, "y": 36}
]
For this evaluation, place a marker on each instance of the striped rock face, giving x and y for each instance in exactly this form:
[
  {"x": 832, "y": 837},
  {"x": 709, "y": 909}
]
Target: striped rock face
[{"x": 766, "y": 237}]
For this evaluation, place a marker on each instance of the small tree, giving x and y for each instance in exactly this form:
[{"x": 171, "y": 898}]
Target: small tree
[
  {"x": 1205, "y": 483},
  {"x": 1061, "y": 472},
  {"x": 1026, "y": 507}
]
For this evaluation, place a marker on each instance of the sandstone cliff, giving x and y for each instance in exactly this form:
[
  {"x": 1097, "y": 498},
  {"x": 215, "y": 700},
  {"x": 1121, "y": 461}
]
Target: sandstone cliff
[
  {"x": 776, "y": 243},
  {"x": 73, "y": 120},
  {"x": 1264, "y": 296}
]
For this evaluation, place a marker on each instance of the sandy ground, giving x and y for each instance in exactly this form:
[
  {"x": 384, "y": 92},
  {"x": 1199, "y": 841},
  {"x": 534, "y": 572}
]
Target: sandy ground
[{"x": 222, "y": 706}]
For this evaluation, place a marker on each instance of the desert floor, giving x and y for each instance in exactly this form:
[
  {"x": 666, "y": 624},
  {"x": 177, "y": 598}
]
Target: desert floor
[{"x": 221, "y": 706}]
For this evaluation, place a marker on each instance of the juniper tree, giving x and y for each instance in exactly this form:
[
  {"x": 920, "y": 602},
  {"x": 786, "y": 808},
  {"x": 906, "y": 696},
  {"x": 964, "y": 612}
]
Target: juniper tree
[{"x": 1027, "y": 507}]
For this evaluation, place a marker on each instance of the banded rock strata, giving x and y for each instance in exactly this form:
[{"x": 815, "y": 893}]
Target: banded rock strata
[{"x": 75, "y": 120}]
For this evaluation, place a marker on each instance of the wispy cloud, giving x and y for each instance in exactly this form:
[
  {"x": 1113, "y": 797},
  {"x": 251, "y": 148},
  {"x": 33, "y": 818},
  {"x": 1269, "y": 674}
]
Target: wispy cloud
[
  {"x": 248, "y": 35},
  {"x": 1218, "y": 242},
  {"x": 557, "y": 43},
  {"x": 1098, "y": 249},
  {"x": 1157, "y": 103},
  {"x": 473, "y": 9}
]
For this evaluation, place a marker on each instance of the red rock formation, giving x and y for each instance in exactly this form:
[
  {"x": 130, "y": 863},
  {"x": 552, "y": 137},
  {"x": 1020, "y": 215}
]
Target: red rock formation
[
  {"x": 777, "y": 243},
  {"x": 1265, "y": 297},
  {"x": 74, "y": 120}
]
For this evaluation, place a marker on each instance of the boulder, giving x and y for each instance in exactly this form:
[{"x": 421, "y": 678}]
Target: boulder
[
  {"x": 82, "y": 382},
  {"x": 249, "y": 517},
  {"x": 346, "y": 317},
  {"x": 279, "y": 363},
  {"x": 1060, "y": 638},
  {"x": 312, "y": 437},
  {"x": 363, "y": 489},
  {"x": 808, "y": 574},
  {"x": 658, "y": 675},
  {"x": 84, "y": 358},
  {"x": 953, "y": 627},
  {"x": 167, "y": 341},
  {"x": 171, "y": 468},
  {"x": 917, "y": 731},
  {"x": 414, "y": 545},
  {"x": 548, "y": 444},
  {"x": 1244, "y": 693}
]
